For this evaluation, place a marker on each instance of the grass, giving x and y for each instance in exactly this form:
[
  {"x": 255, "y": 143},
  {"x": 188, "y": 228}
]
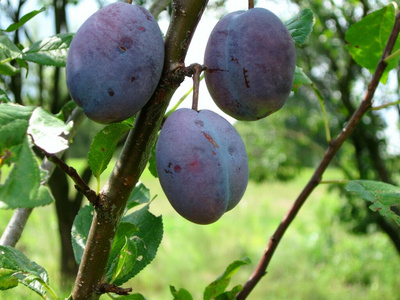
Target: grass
[{"x": 317, "y": 258}]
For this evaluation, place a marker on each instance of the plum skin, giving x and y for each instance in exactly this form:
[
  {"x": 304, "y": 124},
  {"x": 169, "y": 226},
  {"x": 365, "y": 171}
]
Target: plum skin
[
  {"x": 202, "y": 164},
  {"x": 251, "y": 61},
  {"x": 115, "y": 62}
]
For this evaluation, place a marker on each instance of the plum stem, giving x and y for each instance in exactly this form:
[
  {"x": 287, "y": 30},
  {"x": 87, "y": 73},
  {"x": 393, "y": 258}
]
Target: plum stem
[
  {"x": 196, "y": 83},
  {"x": 251, "y": 4},
  {"x": 315, "y": 180}
]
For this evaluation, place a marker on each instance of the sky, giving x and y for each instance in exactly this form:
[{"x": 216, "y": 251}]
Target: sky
[{"x": 284, "y": 9}]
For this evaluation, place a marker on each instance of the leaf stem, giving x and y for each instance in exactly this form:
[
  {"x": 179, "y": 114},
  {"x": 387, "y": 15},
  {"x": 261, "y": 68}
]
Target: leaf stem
[
  {"x": 325, "y": 115},
  {"x": 385, "y": 105},
  {"x": 392, "y": 56},
  {"x": 333, "y": 148}
]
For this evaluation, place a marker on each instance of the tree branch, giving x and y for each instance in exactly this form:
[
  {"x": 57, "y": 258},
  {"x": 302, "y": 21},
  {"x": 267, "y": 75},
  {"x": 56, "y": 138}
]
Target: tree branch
[
  {"x": 136, "y": 151},
  {"x": 334, "y": 146},
  {"x": 17, "y": 223}
]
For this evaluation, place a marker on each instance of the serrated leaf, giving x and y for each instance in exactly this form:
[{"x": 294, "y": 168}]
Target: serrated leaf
[
  {"x": 103, "y": 146},
  {"x": 7, "y": 280},
  {"x": 47, "y": 131},
  {"x": 147, "y": 238},
  {"x": 14, "y": 122},
  {"x": 24, "y": 19},
  {"x": 300, "y": 26},
  {"x": 22, "y": 188},
  {"x": 385, "y": 197},
  {"x": 80, "y": 231},
  {"x": 125, "y": 262},
  {"x": 367, "y": 39},
  {"x": 25, "y": 271},
  {"x": 219, "y": 286},
  {"x": 139, "y": 195},
  {"x": 51, "y": 51},
  {"x": 181, "y": 294},
  {"x": 10, "y": 50},
  {"x": 125, "y": 231}
]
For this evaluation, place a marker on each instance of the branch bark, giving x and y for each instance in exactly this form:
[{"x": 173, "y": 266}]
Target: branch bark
[
  {"x": 135, "y": 153},
  {"x": 335, "y": 145}
]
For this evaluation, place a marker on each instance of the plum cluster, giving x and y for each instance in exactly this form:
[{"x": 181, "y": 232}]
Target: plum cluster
[
  {"x": 115, "y": 62},
  {"x": 202, "y": 164},
  {"x": 201, "y": 160},
  {"x": 251, "y": 61}
]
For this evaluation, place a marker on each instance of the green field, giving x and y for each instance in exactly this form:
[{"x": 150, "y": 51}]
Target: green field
[{"x": 317, "y": 258}]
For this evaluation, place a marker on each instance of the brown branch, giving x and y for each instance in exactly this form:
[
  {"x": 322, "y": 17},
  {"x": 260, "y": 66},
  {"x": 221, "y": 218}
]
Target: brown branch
[
  {"x": 136, "y": 151},
  {"x": 334, "y": 146},
  {"x": 80, "y": 184},
  {"x": 112, "y": 288}
]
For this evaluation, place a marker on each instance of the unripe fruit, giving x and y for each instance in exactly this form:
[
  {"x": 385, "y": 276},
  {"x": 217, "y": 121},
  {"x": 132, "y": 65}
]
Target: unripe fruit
[
  {"x": 251, "y": 61},
  {"x": 202, "y": 164},
  {"x": 115, "y": 62}
]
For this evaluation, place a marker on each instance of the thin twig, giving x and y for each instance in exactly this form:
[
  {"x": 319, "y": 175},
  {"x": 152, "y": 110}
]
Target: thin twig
[
  {"x": 80, "y": 184},
  {"x": 112, "y": 288},
  {"x": 334, "y": 146}
]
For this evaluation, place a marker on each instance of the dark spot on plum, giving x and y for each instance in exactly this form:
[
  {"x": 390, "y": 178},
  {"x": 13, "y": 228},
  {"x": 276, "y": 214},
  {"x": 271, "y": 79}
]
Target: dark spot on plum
[
  {"x": 234, "y": 59},
  {"x": 195, "y": 163},
  {"x": 177, "y": 168},
  {"x": 210, "y": 139},
  {"x": 169, "y": 165},
  {"x": 167, "y": 171},
  {"x": 231, "y": 149},
  {"x": 125, "y": 43},
  {"x": 246, "y": 79},
  {"x": 199, "y": 123},
  {"x": 133, "y": 78},
  {"x": 141, "y": 28},
  {"x": 110, "y": 92},
  {"x": 214, "y": 153}
]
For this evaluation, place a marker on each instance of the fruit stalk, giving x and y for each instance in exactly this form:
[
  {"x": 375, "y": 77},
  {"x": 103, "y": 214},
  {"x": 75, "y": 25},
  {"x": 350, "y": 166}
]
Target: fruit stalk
[
  {"x": 334, "y": 146},
  {"x": 136, "y": 150}
]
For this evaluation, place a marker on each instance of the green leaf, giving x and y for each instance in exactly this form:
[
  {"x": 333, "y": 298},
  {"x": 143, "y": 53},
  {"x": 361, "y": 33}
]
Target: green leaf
[
  {"x": 80, "y": 231},
  {"x": 147, "y": 238},
  {"x": 10, "y": 50},
  {"x": 139, "y": 195},
  {"x": 125, "y": 262},
  {"x": 14, "y": 122},
  {"x": 300, "y": 78},
  {"x": 124, "y": 237},
  {"x": 51, "y": 51},
  {"x": 4, "y": 97},
  {"x": 24, "y": 270},
  {"x": 231, "y": 295},
  {"x": 8, "y": 70},
  {"x": 7, "y": 280},
  {"x": 24, "y": 19},
  {"x": 22, "y": 187},
  {"x": 300, "y": 26},
  {"x": 385, "y": 197},
  {"x": 182, "y": 294},
  {"x": 219, "y": 286},
  {"x": 367, "y": 39},
  {"x": 47, "y": 131},
  {"x": 103, "y": 146}
]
